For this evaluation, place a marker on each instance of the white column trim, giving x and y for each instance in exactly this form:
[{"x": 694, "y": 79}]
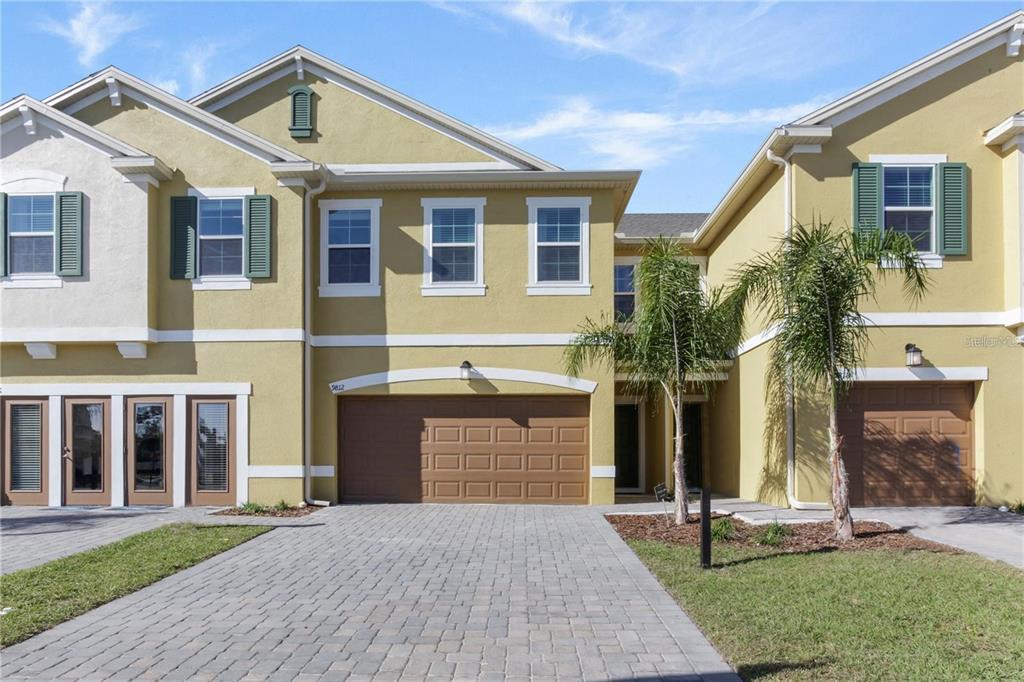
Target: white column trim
[
  {"x": 55, "y": 494},
  {"x": 242, "y": 448},
  {"x": 117, "y": 451},
  {"x": 180, "y": 448}
]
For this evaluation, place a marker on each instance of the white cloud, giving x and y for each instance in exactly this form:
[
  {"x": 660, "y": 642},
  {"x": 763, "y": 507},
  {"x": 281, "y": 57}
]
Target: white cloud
[
  {"x": 169, "y": 84},
  {"x": 196, "y": 59},
  {"x": 723, "y": 42},
  {"x": 94, "y": 29},
  {"x": 642, "y": 139}
]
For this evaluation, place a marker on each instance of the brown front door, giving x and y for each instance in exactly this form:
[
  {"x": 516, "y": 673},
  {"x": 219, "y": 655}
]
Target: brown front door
[
  {"x": 86, "y": 451},
  {"x": 533, "y": 449},
  {"x": 212, "y": 452},
  {"x": 149, "y": 454},
  {"x": 909, "y": 444},
  {"x": 25, "y": 429}
]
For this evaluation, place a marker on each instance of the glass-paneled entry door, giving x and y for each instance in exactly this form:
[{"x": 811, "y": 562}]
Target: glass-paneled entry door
[
  {"x": 149, "y": 453},
  {"x": 86, "y": 451},
  {"x": 212, "y": 452}
]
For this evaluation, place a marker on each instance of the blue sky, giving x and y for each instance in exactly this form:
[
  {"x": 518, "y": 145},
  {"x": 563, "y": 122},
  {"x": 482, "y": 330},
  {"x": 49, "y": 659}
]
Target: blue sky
[{"x": 684, "y": 91}]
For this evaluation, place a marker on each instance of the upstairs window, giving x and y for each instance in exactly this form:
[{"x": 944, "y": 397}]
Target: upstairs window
[
  {"x": 625, "y": 293},
  {"x": 909, "y": 203},
  {"x": 30, "y": 233},
  {"x": 350, "y": 247},
  {"x": 559, "y": 230},
  {"x": 453, "y": 247},
  {"x": 220, "y": 237}
]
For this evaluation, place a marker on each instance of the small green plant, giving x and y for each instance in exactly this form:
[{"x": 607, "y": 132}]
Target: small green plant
[
  {"x": 773, "y": 534},
  {"x": 722, "y": 530},
  {"x": 1017, "y": 507},
  {"x": 282, "y": 506},
  {"x": 254, "y": 508}
]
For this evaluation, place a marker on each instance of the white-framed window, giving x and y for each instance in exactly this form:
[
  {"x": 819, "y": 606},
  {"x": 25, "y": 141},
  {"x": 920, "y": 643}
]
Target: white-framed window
[
  {"x": 30, "y": 235},
  {"x": 453, "y": 246},
  {"x": 625, "y": 287},
  {"x": 559, "y": 258},
  {"x": 220, "y": 237},
  {"x": 909, "y": 200},
  {"x": 350, "y": 247}
]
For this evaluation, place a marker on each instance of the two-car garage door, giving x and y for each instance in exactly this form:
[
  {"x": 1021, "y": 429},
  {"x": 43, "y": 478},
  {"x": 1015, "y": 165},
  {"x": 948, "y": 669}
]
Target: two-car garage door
[
  {"x": 909, "y": 444},
  {"x": 529, "y": 449}
]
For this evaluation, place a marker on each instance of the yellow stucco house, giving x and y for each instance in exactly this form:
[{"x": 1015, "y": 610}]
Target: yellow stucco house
[{"x": 304, "y": 285}]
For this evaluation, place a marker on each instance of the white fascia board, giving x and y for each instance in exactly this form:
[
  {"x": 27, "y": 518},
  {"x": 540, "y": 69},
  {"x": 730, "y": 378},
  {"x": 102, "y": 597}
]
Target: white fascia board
[
  {"x": 525, "y": 177},
  {"x": 317, "y": 64},
  {"x": 161, "y": 388},
  {"x": 63, "y": 123},
  {"x": 439, "y": 340},
  {"x": 921, "y": 374}
]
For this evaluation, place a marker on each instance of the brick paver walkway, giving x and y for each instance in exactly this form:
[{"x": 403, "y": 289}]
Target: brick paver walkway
[{"x": 394, "y": 592}]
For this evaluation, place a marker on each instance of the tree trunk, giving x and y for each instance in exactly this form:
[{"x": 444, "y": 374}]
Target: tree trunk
[
  {"x": 841, "y": 518},
  {"x": 679, "y": 465}
]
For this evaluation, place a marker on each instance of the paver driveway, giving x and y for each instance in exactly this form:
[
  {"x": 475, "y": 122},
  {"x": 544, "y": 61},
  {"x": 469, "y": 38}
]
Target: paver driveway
[{"x": 390, "y": 592}]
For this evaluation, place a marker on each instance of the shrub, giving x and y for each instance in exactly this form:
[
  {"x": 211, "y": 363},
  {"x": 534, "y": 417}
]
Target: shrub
[
  {"x": 722, "y": 530},
  {"x": 1017, "y": 507},
  {"x": 254, "y": 508},
  {"x": 282, "y": 506},
  {"x": 773, "y": 534}
]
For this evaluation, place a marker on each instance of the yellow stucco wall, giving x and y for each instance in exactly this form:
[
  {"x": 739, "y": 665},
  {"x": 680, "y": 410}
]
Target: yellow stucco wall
[
  {"x": 333, "y": 364},
  {"x": 348, "y": 127},
  {"x": 402, "y": 309},
  {"x": 199, "y": 160},
  {"x": 273, "y": 368}
]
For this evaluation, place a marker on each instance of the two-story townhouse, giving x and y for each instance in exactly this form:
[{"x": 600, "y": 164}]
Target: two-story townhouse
[
  {"x": 347, "y": 289},
  {"x": 936, "y": 151}
]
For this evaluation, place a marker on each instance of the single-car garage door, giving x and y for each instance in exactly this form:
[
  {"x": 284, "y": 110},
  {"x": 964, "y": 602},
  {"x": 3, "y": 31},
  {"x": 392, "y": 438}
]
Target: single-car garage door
[
  {"x": 909, "y": 444},
  {"x": 465, "y": 449}
]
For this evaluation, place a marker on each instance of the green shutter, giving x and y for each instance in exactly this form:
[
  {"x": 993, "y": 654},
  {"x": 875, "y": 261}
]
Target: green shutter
[
  {"x": 867, "y": 196},
  {"x": 302, "y": 111},
  {"x": 952, "y": 214},
  {"x": 67, "y": 248},
  {"x": 3, "y": 234},
  {"x": 184, "y": 213},
  {"x": 257, "y": 235}
]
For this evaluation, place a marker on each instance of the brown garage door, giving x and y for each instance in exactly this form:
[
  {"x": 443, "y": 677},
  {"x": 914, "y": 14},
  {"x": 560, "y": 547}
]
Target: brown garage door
[
  {"x": 472, "y": 449},
  {"x": 909, "y": 444}
]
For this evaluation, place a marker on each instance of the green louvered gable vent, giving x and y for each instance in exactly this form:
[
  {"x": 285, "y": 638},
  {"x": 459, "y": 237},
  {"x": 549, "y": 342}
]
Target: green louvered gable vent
[
  {"x": 3, "y": 234},
  {"x": 302, "y": 111},
  {"x": 183, "y": 237},
  {"x": 953, "y": 213},
  {"x": 867, "y": 196},
  {"x": 26, "y": 447},
  {"x": 68, "y": 246},
  {"x": 257, "y": 235}
]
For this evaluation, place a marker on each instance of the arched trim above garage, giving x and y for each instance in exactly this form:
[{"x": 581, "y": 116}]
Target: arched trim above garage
[{"x": 478, "y": 373}]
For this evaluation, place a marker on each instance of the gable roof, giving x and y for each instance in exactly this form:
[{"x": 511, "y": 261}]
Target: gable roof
[
  {"x": 299, "y": 59},
  {"x": 816, "y": 128},
  {"x": 29, "y": 112},
  {"x": 112, "y": 82},
  {"x": 641, "y": 226}
]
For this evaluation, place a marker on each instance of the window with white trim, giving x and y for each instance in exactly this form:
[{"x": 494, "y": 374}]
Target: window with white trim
[
  {"x": 559, "y": 245},
  {"x": 221, "y": 235},
  {"x": 30, "y": 234},
  {"x": 349, "y": 241},
  {"x": 453, "y": 247},
  {"x": 625, "y": 292},
  {"x": 909, "y": 203}
]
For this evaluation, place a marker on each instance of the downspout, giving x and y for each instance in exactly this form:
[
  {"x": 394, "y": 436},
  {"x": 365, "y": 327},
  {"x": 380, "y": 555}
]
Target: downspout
[
  {"x": 307, "y": 358},
  {"x": 787, "y": 220}
]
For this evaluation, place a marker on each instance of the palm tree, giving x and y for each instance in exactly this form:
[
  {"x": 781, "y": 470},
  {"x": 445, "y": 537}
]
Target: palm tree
[
  {"x": 678, "y": 338},
  {"x": 810, "y": 288}
]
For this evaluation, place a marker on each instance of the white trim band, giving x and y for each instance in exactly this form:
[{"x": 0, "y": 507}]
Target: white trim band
[
  {"x": 170, "y": 388},
  {"x": 921, "y": 374},
  {"x": 289, "y": 471},
  {"x": 439, "y": 340},
  {"x": 602, "y": 472},
  {"x": 478, "y": 373}
]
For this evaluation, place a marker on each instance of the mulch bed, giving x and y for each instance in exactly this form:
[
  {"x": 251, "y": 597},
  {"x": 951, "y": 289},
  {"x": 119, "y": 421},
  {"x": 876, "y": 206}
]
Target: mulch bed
[
  {"x": 287, "y": 513},
  {"x": 804, "y": 537}
]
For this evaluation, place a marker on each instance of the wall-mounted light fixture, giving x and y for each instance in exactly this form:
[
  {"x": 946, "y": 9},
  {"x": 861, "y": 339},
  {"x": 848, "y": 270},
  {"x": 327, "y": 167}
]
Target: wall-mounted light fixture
[
  {"x": 914, "y": 355},
  {"x": 465, "y": 370}
]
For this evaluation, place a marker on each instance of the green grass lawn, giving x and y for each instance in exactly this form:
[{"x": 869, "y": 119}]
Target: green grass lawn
[
  {"x": 45, "y": 595},
  {"x": 857, "y": 615}
]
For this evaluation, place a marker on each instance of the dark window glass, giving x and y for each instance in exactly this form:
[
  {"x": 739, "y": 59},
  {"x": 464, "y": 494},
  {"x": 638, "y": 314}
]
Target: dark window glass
[
  {"x": 454, "y": 264},
  {"x": 149, "y": 446},
  {"x": 87, "y": 446},
  {"x": 212, "y": 447},
  {"x": 558, "y": 264},
  {"x": 348, "y": 266}
]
